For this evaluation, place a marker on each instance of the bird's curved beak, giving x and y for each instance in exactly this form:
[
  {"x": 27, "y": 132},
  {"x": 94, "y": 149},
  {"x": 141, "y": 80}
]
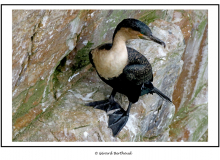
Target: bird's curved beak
[{"x": 152, "y": 38}]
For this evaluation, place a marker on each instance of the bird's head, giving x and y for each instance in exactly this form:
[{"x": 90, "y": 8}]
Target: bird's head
[{"x": 135, "y": 29}]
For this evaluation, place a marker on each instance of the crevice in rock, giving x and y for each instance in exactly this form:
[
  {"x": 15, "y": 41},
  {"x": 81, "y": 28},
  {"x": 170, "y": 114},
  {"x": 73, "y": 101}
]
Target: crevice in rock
[
  {"x": 26, "y": 61},
  {"x": 35, "y": 30},
  {"x": 28, "y": 54},
  {"x": 81, "y": 127},
  {"x": 78, "y": 59},
  {"x": 158, "y": 114},
  {"x": 23, "y": 69},
  {"x": 99, "y": 137},
  {"x": 54, "y": 136},
  {"x": 159, "y": 108},
  {"x": 40, "y": 121}
]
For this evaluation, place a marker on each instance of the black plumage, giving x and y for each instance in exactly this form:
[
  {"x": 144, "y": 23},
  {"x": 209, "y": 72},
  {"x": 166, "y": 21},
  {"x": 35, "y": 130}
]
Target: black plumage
[
  {"x": 135, "y": 25},
  {"x": 136, "y": 72},
  {"x": 135, "y": 77}
]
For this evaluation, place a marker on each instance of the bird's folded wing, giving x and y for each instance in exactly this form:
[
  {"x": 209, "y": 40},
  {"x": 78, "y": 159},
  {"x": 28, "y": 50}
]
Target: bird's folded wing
[{"x": 138, "y": 69}]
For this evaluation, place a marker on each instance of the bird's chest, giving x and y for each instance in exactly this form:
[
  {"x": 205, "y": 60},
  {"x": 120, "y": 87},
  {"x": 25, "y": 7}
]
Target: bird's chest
[{"x": 111, "y": 64}]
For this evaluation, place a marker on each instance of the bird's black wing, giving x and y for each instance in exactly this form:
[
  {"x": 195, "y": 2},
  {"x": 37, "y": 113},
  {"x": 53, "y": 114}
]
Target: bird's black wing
[{"x": 138, "y": 70}]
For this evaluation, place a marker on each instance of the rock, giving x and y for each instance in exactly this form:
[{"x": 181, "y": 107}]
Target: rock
[
  {"x": 191, "y": 93},
  {"x": 52, "y": 77}
]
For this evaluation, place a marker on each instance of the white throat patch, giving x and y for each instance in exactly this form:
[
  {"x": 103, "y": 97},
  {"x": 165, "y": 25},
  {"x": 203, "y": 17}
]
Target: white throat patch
[{"x": 110, "y": 63}]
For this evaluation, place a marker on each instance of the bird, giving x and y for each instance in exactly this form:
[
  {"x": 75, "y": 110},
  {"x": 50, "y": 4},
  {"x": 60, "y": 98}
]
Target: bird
[{"x": 124, "y": 69}]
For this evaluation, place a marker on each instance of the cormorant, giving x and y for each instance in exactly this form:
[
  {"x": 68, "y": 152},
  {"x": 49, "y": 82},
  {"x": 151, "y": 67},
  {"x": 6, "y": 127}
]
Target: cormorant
[{"x": 126, "y": 70}]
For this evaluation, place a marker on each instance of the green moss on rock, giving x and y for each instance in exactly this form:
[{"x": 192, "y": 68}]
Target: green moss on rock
[
  {"x": 17, "y": 101},
  {"x": 151, "y": 16},
  {"x": 35, "y": 94},
  {"x": 82, "y": 57},
  {"x": 201, "y": 27}
]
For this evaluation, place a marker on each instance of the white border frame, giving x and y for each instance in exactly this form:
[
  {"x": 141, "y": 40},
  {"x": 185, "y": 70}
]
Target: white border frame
[{"x": 7, "y": 72}]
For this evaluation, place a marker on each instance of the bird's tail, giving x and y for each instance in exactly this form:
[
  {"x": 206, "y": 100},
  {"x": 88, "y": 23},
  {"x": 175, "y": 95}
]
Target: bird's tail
[
  {"x": 163, "y": 96},
  {"x": 149, "y": 88}
]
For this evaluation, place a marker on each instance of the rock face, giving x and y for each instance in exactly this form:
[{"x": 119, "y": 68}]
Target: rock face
[
  {"x": 53, "y": 79},
  {"x": 191, "y": 92}
]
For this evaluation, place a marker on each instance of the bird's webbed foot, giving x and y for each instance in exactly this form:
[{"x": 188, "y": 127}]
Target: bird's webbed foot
[
  {"x": 118, "y": 116},
  {"x": 118, "y": 120},
  {"x": 105, "y": 105}
]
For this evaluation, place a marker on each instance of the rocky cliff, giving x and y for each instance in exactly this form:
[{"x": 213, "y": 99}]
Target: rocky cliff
[{"x": 52, "y": 78}]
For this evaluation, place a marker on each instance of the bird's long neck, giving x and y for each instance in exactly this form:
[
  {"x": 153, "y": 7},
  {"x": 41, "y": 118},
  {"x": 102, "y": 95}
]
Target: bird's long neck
[
  {"x": 110, "y": 63},
  {"x": 119, "y": 43}
]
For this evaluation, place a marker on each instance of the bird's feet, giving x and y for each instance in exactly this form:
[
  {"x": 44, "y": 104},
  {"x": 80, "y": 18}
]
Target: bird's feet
[
  {"x": 117, "y": 119},
  {"x": 105, "y": 105}
]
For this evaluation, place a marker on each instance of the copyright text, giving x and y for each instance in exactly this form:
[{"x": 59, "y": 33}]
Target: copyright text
[{"x": 113, "y": 153}]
